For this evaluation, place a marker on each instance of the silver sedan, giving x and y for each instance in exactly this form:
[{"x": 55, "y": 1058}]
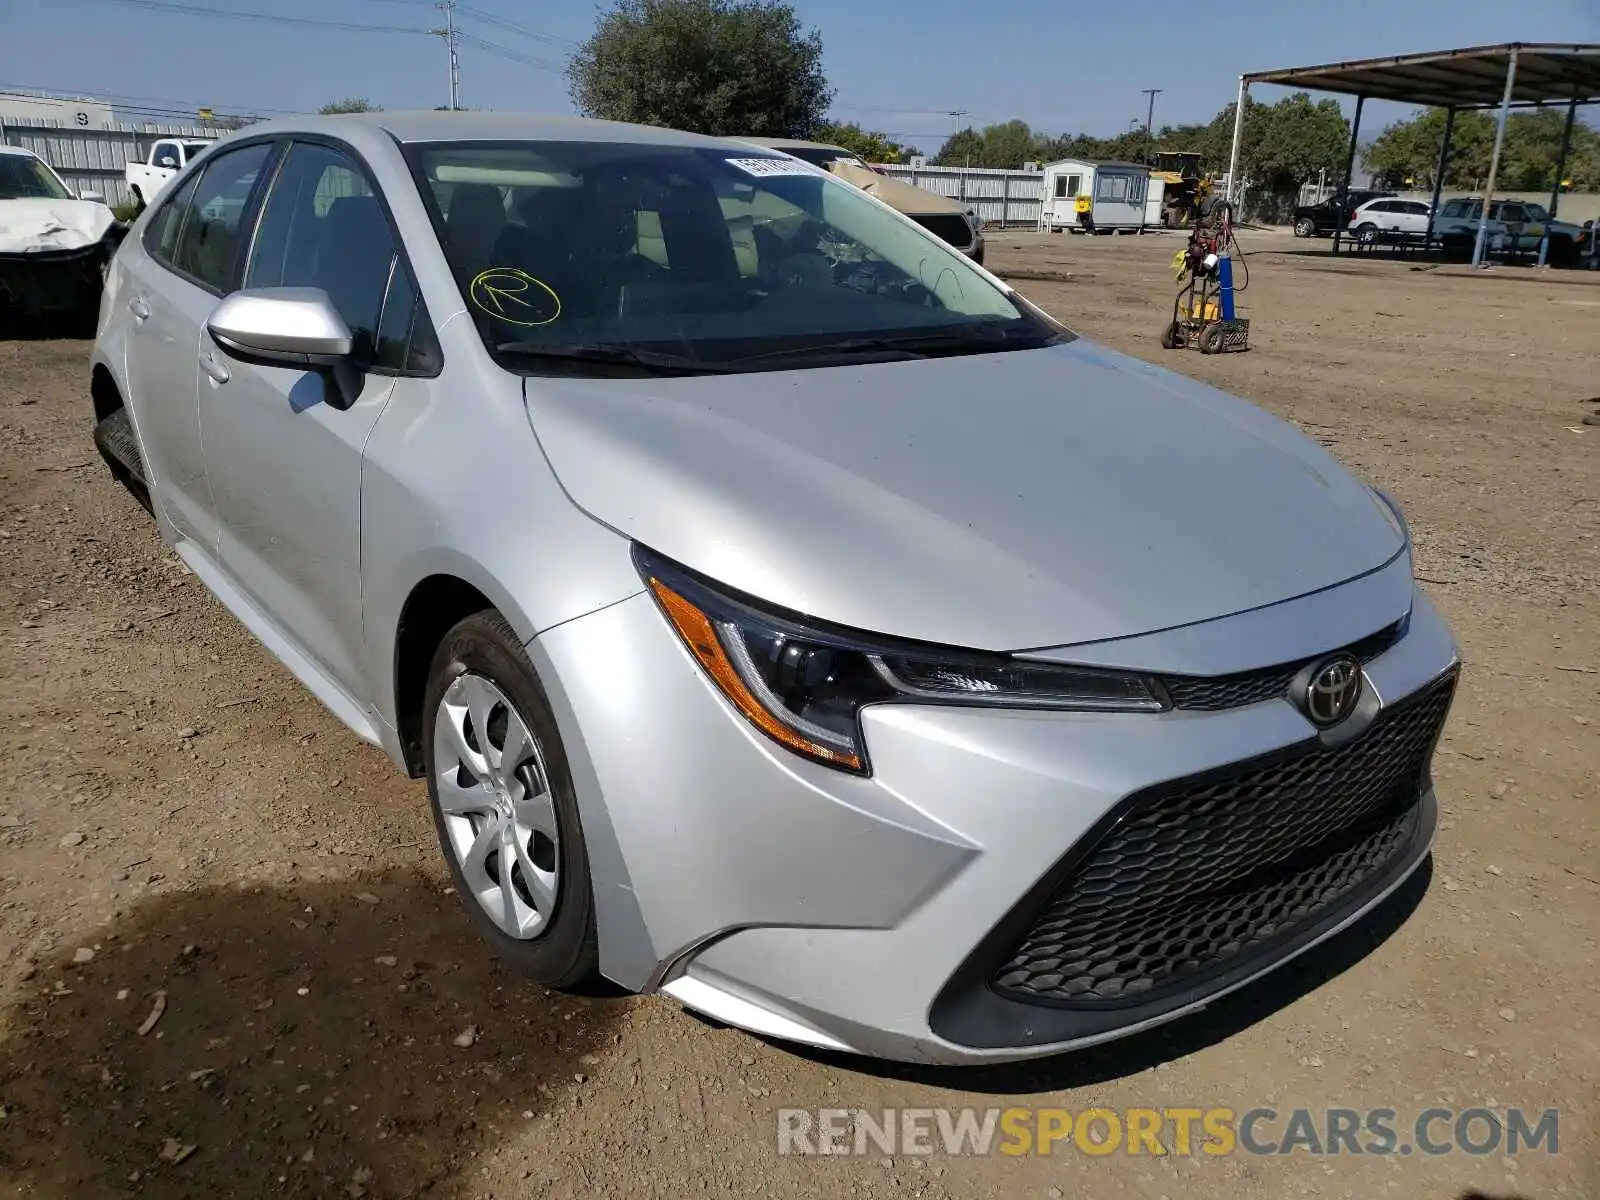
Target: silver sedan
[{"x": 786, "y": 615}]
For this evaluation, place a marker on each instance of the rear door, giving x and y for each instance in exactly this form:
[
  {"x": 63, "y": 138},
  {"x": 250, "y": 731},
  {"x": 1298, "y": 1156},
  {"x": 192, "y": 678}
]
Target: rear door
[
  {"x": 283, "y": 450},
  {"x": 184, "y": 265},
  {"x": 1411, "y": 216}
]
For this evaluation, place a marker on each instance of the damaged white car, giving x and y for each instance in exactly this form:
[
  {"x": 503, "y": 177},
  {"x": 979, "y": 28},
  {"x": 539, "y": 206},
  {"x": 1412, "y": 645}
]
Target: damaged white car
[{"x": 54, "y": 245}]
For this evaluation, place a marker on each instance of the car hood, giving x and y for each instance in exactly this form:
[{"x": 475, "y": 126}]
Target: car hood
[
  {"x": 33, "y": 225},
  {"x": 1000, "y": 501}
]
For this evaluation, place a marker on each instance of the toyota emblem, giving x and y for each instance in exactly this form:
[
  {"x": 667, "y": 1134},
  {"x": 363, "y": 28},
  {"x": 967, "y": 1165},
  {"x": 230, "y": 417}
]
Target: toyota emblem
[{"x": 1332, "y": 691}]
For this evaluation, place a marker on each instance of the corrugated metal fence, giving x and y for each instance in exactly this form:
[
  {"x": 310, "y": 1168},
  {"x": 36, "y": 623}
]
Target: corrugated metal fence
[
  {"x": 1000, "y": 197},
  {"x": 93, "y": 159}
]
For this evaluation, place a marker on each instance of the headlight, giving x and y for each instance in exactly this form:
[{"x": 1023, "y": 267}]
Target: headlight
[{"x": 803, "y": 685}]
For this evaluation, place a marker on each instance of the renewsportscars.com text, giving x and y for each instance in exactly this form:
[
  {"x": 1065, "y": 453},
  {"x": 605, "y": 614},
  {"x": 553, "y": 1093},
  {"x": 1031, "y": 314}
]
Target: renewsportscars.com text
[{"x": 1168, "y": 1130}]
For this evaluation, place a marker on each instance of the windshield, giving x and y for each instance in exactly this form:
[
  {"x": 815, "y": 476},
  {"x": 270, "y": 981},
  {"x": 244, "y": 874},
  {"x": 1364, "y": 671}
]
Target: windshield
[
  {"x": 821, "y": 156},
  {"x": 1537, "y": 211},
  {"x": 621, "y": 256},
  {"x": 24, "y": 177}
]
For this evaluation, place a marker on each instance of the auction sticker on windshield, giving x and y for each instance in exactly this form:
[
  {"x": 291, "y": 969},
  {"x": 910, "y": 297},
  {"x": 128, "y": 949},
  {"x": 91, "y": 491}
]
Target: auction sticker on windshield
[{"x": 767, "y": 167}]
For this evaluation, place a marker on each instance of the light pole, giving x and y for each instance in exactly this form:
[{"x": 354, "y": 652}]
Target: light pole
[
  {"x": 1149, "y": 124},
  {"x": 955, "y": 115}
]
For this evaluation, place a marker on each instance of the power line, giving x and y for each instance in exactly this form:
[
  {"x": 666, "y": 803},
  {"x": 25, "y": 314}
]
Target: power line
[
  {"x": 129, "y": 103},
  {"x": 514, "y": 27},
  {"x": 195, "y": 10},
  {"x": 495, "y": 48}
]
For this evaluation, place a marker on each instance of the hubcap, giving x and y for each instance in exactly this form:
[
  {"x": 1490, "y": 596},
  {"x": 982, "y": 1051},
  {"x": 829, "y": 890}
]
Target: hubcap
[{"x": 499, "y": 815}]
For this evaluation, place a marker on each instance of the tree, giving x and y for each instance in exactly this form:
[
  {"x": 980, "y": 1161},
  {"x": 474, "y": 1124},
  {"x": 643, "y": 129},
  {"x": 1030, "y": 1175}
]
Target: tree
[
  {"x": 1406, "y": 154},
  {"x": 351, "y": 104},
  {"x": 964, "y": 148},
  {"x": 872, "y": 147},
  {"x": 721, "y": 67},
  {"x": 1283, "y": 145},
  {"x": 1008, "y": 145}
]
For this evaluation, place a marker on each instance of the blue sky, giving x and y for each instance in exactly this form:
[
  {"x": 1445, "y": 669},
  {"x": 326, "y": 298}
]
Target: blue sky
[{"x": 898, "y": 67}]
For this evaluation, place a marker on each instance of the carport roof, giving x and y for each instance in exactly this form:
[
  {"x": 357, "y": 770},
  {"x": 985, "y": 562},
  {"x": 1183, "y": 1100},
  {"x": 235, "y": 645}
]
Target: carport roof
[{"x": 1471, "y": 78}]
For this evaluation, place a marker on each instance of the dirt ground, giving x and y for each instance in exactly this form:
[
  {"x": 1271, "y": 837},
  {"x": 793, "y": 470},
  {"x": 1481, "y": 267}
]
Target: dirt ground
[{"x": 231, "y": 967}]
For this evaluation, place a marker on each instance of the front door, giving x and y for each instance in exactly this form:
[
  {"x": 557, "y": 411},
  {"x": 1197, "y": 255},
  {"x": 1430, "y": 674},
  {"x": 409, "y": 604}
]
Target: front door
[
  {"x": 283, "y": 451},
  {"x": 1064, "y": 198}
]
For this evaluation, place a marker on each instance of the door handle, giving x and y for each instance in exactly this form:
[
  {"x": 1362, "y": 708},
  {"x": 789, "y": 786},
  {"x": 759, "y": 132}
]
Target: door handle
[
  {"x": 214, "y": 367},
  {"x": 139, "y": 309}
]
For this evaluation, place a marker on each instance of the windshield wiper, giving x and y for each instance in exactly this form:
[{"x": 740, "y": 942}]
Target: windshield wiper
[
  {"x": 653, "y": 360},
  {"x": 927, "y": 345}
]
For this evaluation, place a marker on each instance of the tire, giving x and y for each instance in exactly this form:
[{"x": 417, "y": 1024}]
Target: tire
[
  {"x": 1211, "y": 340},
  {"x": 1366, "y": 233},
  {"x": 1305, "y": 227},
  {"x": 119, "y": 448},
  {"x": 544, "y": 926},
  {"x": 1172, "y": 336}
]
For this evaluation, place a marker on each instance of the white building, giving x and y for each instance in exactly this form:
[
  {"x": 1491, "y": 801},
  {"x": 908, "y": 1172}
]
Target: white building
[
  {"x": 1111, "y": 194},
  {"x": 22, "y": 109}
]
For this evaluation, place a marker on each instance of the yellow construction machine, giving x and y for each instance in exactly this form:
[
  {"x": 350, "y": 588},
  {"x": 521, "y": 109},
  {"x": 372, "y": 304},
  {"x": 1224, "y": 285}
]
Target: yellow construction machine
[{"x": 1186, "y": 187}]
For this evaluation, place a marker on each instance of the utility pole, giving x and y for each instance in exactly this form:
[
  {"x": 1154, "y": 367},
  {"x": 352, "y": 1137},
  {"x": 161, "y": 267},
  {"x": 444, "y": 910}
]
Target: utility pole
[
  {"x": 448, "y": 33},
  {"x": 1149, "y": 122},
  {"x": 955, "y": 115}
]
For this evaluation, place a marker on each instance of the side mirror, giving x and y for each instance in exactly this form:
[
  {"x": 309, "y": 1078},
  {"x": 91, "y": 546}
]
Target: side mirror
[
  {"x": 288, "y": 327},
  {"x": 166, "y": 160},
  {"x": 92, "y": 196}
]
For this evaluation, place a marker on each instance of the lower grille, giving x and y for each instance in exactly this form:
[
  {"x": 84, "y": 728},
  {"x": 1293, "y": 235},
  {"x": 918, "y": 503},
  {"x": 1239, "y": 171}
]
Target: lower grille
[{"x": 1199, "y": 872}]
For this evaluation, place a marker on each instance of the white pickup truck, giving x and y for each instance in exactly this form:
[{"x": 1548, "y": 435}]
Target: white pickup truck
[{"x": 167, "y": 158}]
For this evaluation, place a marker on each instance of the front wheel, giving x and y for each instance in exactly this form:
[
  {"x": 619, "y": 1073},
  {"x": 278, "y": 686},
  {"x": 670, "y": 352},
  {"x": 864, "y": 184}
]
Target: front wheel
[
  {"x": 504, "y": 805},
  {"x": 1305, "y": 227}
]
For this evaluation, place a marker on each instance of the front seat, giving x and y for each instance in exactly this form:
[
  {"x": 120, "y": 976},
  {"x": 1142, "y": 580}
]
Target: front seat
[{"x": 474, "y": 222}]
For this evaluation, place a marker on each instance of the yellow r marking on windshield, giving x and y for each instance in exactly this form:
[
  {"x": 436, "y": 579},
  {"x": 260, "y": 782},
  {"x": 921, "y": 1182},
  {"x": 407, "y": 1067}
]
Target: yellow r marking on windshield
[{"x": 511, "y": 295}]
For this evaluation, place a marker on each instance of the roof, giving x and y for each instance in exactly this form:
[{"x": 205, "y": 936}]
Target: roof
[
  {"x": 792, "y": 144},
  {"x": 1471, "y": 78},
  {"x": 1097, "y": 163},
  {"x": 896, "y": 193},
  {"x": 479, "y": 126},
  {"x": 5, "y": 149}
]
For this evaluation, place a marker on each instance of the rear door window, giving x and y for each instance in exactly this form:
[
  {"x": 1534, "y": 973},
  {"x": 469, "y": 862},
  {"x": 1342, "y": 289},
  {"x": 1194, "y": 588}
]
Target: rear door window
[{"x": 161, "y": 234}]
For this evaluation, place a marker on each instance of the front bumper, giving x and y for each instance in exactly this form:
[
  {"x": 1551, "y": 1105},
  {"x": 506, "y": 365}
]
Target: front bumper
[
  {"x": 871, "y": 915},
  {"x": 44, "y": 281}
]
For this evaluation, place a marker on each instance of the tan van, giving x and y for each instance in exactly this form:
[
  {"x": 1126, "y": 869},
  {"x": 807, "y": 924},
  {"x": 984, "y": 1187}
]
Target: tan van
[{"x": 941, "y": 216}]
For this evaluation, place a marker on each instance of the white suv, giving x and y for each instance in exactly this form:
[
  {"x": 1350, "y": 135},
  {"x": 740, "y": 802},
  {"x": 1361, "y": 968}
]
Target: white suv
[{"x": 1377, "y": 217}]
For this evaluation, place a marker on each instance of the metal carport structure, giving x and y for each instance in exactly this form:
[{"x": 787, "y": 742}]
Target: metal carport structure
[{"x": 1512, "y": 75}]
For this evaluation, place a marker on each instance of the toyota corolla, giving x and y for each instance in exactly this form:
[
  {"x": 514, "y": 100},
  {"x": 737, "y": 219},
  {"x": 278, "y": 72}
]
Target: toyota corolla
[{"x": 785, "y": 614}]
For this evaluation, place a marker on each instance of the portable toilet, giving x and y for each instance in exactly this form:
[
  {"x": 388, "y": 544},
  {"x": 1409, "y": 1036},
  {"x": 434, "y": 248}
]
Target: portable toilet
[
  {"x": 1083, "y": 195},
  {"x": 1155, "y": 199}
]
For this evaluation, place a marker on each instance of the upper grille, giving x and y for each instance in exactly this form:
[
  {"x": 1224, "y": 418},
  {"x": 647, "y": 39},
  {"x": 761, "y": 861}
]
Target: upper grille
[
  {"x": 1267, "y": 683},
  {"x": 951, "y": 227},
  {"x": 1197, "y": 873}
]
